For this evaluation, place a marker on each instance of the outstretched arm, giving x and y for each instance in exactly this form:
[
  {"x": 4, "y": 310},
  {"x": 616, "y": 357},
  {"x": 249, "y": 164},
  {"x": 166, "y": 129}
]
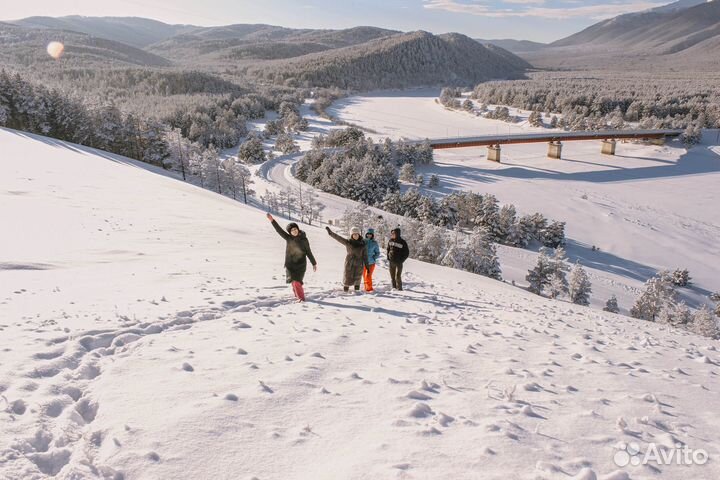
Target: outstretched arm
[
  {"x": 278, "y": 228},
  {"x": 336, "y": 236}
]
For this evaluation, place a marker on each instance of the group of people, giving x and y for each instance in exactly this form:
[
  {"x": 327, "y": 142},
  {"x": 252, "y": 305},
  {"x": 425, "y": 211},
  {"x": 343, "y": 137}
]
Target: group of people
[{"x": 360, "y": 259}]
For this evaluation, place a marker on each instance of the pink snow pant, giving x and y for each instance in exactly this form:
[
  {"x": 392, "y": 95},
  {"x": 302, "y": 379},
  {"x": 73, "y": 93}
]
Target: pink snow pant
[{"x": 298, "y": 291}]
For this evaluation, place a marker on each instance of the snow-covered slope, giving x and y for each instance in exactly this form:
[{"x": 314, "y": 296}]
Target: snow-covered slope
[{"x": 148, "y": 334}]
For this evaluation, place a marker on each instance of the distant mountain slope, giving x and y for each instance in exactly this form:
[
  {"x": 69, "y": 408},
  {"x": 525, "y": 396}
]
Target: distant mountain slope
[
  {"x": 261, "y": 42},
  {"x": 138, "y": 32},
  {"x": 660, "y": 30},
  {"x": 515, "y": 46},
  {"x": 404, "y": 60},
  {"x": 684, "y": 35},
  {"x": 23, "y": 46}
]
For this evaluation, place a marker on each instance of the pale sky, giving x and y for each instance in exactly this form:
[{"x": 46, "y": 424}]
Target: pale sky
[{"x": 540, "y": 20}]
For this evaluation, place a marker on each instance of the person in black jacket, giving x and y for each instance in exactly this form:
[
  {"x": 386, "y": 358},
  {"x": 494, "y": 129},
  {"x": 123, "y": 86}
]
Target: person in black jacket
[
  {"x": 297, "y": 251},
  {"x": 397, "y": 253},
  {"x": 356, "y": 259}
]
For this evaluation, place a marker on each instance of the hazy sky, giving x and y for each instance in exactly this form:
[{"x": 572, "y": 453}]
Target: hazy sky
[{"x": 541, "y": 20}]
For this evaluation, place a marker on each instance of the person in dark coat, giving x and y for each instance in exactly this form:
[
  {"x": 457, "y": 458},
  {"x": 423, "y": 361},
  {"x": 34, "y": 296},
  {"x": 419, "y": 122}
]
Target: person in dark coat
[
  {"x": 355, "y": 260},
  {"x": 397, "y": 253},
  {"x": 297, "y": 252}
]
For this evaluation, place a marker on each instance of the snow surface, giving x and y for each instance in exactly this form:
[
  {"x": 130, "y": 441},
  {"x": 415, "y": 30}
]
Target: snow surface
[
  {"x": 148, "y": 334},
  {"x": 648, "y": 208}
]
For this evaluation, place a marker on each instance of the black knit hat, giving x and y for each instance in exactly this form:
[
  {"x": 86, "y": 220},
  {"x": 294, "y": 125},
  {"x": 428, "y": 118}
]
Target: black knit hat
[{"x": 290, "y": 226}]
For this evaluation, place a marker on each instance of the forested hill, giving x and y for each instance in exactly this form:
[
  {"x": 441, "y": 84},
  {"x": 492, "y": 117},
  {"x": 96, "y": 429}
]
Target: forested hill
[
  {"x": 403, "y": 60},
  {"x": 26, "y": 47}
]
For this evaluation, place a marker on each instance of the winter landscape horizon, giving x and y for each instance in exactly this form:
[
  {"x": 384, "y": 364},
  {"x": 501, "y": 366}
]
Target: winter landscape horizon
[{"x": 333, "y": 241}]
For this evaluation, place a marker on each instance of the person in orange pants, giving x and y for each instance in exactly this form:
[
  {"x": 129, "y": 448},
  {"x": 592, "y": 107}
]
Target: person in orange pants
[{"x": 373, "y": 253}]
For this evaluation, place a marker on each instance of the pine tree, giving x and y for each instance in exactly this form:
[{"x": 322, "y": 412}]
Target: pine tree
[
  {"x": 675, "y": 314},
  {"x": 407, "y": 173},
  {"x": 705, "y": 323},
  {"x": 483, "y": 255},
  {"x": 612, "y": 305},
  {"x": 239, "y": 179},
  {"x": 286, "y": 144},
  {"x": 535, "y": 119},
  {"x": 658, "y": 293},
  {"x": 251, "y": 151},
  {"x": 579, "y": 287},
  {"x": 539, "y": 277},
  {"x": 434, "y": 181},
  {"x": 553, "y": 235},
  {"x": 505, "y": 227},
  {"x": 681, "y": 277},
  {"x": 432, "y": 245},
  {"x": 557, "y": 282},
  {"x": 715, "y": 297}
]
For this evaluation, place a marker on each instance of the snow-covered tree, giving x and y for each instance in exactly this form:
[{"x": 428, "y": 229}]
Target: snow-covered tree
[
  {"x": 579, "y": 287},
  {"x": 681, "y": 277},
  {"x": 434, "y": 181},
  {"x": 407, "y": 173},
  {"x": 212, "y": 170},
  {"x": 675, "y": 314},
  {"x": 705, "y": 323},
  {"x": 287, "y": 201},
  {"x": 535, "y": 119},
  {"x": 432, "y": 244},
  {"x": 658, "y": 294},
  {"x": 539, "y": 276},
  {"x": 483, "y": 255},
  {"x": 715, "y": 297},
  {"x": 251, "y": 151},
  {"x": 553, "y": 235},
  {"x": 557, "y": 279},
  {"x": 612, "y": 305},
  {"x": 239, "y": 179},
  {"x": 312, "y": 207},
  {"x": 273, "y": 127},
  {"x": 286, "y": 144}
]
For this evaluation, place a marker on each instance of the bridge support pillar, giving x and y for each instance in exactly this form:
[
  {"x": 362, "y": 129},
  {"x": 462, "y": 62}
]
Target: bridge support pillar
[
  {"x": 608, "y": 147},
  {"x": 494, "y": 153},
  {"x": 555, "y": 150}
]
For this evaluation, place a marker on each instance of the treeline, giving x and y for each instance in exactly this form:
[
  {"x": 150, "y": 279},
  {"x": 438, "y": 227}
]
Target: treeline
[
  {"x": 358, "y": 168},
  {"x": 37, "y": 109},
  {"x": 143, "y": 81},
  {"x": 470, "y": 211},
  {"x": 593, "y": 103},
  {"x": 222, "y": 122},
  {"x": 347, "y": 164}
]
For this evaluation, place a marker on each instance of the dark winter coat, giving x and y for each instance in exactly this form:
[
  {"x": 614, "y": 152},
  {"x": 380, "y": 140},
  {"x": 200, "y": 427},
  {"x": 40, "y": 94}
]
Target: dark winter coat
[
  {"x": 297, "y": 251},
  {"x": 397, "y": 250},
  {"x": 355, "y": 260}
]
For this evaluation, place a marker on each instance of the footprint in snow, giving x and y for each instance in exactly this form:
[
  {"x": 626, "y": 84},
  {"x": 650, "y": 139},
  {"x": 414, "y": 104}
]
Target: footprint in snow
[{"x": 187, "y": 367}]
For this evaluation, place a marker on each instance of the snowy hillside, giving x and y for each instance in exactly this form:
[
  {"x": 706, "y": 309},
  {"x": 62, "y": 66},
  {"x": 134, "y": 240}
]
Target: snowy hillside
[{"x": 148, "y": 334}]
